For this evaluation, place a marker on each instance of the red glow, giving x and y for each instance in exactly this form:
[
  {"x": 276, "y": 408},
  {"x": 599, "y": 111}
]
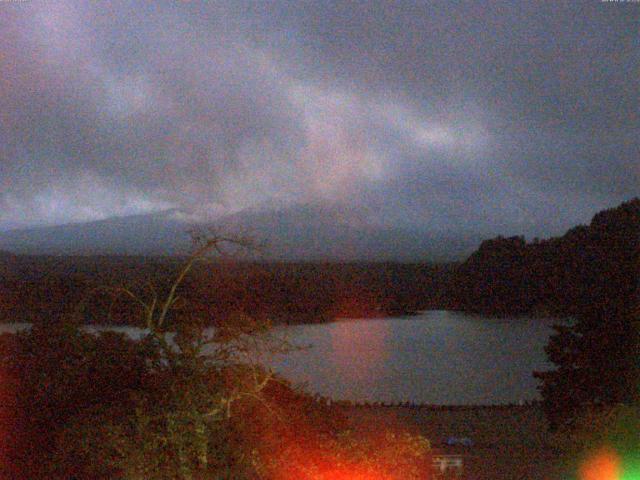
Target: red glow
[
  {"x": 352, "y": 474},
  {"x": 295, "y": 442},
  {"x": 313, "y": 472},
  {"x": 604, "y": 465}
]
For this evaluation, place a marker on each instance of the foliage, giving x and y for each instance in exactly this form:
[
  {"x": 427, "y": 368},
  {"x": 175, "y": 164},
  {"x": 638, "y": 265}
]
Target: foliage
[
  {"x": 176, "y": 425},
  {"x": 38, "y": 287},
  {"x": 173, "y": 432},
  {"x": 590, "y": 277},
  {"x": 589, "y": 269},
  {"x": 293, "y": 436},
  {"x": 597, "y": 354},
  {"x": 183, "y": 402},
  {"x": 597, "y": 365},
  {"x": 392, "y": 455},
  {"x": 494, "y": 279},
  {"x": 311, "y": 453},
  {"x": 57, "y": 371}
]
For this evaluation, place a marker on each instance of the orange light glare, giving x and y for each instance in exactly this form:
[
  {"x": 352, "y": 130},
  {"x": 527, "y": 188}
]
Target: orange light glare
[{"x": 604, "y": 465}]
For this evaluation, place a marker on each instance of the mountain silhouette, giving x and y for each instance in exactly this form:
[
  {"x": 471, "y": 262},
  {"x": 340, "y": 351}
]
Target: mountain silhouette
[{"x": 311, "y": 232}]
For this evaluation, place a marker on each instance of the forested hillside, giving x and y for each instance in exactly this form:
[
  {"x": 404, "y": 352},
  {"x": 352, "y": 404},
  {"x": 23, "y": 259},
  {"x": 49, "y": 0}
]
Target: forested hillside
[
  {"x": 590, "y": 267},
  {"x": 33, "y": 288},
  {"x": 594, "y": 266}
]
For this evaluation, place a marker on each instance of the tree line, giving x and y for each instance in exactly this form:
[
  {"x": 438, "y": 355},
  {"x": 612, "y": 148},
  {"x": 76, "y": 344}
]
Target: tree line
[
  {"x": 76, "y": 405},
  {"x": 39, "y": 287},
  {"x": 590, "y": 267}
]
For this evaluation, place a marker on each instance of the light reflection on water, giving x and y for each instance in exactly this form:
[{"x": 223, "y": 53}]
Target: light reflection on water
[{"x": 437, "y": 357}]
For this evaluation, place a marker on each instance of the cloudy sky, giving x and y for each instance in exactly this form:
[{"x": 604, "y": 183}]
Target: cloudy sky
[{"x": 512, "y": 116}]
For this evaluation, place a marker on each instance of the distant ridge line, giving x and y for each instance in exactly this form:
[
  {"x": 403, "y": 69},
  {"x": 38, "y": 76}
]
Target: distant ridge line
[{"x": 423, "y": 406}]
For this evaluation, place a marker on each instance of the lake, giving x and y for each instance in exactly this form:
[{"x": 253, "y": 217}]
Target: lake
[{"x": 436, "y": 357}]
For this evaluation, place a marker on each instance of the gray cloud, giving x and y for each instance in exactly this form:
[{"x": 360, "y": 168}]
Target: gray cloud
[{"x": 518, "y": 116}]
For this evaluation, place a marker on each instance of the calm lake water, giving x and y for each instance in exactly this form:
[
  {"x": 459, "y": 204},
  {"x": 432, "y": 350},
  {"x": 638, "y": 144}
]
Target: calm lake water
[{"x": 437, "y": 357}]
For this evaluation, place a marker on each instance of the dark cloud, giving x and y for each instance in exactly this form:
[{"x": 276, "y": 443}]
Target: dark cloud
[{"x": 494, "y": 116}]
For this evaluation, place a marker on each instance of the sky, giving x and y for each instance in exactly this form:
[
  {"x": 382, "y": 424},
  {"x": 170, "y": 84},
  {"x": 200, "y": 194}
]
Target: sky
[{"x": 503, "y": 116}]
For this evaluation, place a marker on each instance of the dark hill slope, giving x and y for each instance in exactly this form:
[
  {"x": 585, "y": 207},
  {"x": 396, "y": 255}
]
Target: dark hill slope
[{"x": 595, "y": 267}]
